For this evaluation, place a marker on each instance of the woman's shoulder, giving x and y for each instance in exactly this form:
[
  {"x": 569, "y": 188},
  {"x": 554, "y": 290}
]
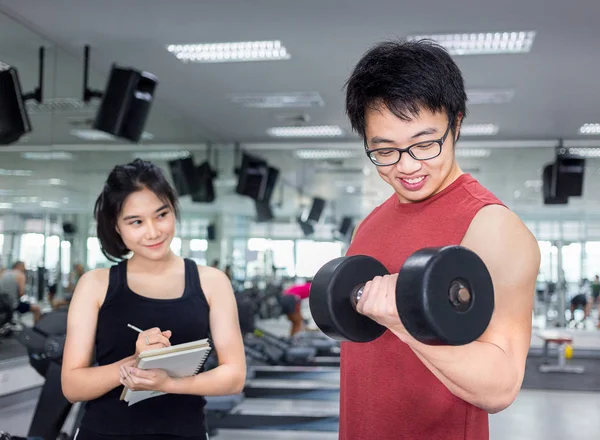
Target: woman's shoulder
[
  {"x": 211, "y": 274},
  {"x": 93, "y": 283}
]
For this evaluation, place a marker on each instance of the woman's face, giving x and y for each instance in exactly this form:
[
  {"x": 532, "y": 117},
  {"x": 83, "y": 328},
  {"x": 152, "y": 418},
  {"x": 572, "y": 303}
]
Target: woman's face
[{"x": 147, "y": 225}]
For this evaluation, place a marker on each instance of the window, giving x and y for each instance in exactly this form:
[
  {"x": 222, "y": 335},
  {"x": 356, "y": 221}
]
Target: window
[
  {"x": 283, "y": 257},
  {"x": 31, "y": 251},
  {"x": 548, "y": 265},
  {"x": 312, "y": 255},
  {"x": 592, "y": 259},
  {"x": 571, "y": 262},
  {"x": 95, "y": 257},
  {"x": 176, "y": 246},
  {"x": 198, "y": 247}
]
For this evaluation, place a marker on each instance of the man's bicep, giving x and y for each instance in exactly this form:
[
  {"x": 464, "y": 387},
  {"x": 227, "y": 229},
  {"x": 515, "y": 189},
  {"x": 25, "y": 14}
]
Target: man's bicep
[{"x": 511, "y": 254}]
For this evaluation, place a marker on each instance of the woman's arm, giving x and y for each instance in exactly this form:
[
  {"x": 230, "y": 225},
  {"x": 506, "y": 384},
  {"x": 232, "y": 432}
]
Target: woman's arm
[
  {"x": 80, "y": 382},
  {"x": 230, "y": 376}
]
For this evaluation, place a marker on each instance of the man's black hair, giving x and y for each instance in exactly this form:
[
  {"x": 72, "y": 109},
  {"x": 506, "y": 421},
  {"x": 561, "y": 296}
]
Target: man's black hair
[{"x": 406, "y": 77}]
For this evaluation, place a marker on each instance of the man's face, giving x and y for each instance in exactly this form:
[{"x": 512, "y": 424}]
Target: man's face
[{"x": 413, "y": 180}]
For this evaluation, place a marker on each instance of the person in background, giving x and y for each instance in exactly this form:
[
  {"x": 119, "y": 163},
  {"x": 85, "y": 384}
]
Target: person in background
[
  {"x": 55, "y": 302},
  {"x": 229, "y": 272},
  {"x": 596, "y": 296},
  {"x": 74, "y": 277},
  {"x": 215, "y": 264},
  {"x": 291, "y": 303},
  {"x": 12, "y": 283}
]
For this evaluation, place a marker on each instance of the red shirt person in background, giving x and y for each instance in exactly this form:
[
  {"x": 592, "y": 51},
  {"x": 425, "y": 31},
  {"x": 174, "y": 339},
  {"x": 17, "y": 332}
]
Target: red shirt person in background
[{"x": 292, "y": 298}]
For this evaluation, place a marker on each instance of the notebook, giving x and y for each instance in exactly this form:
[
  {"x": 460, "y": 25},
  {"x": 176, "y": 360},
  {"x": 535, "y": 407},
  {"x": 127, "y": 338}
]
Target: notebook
[{"x": 181, "y": 360}]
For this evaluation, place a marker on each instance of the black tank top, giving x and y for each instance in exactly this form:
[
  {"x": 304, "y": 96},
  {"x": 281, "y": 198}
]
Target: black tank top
[{"x": 188, "y": 319}]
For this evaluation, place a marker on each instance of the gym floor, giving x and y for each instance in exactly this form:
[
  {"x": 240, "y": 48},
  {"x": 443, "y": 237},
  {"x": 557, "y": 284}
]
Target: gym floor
[{"x": 536, "y": 414}]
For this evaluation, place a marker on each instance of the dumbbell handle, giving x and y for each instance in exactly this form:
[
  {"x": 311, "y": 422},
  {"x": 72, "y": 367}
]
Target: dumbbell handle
[
  {"x": 458, "y": 293},
  {"x": 356, "y": 294}
]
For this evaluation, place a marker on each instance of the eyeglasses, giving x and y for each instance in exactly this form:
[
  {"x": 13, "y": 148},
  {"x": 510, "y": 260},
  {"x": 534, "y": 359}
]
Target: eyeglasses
[{"x": 424, "y": 150}]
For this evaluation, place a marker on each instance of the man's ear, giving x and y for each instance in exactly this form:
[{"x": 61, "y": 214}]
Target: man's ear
[{"x": 459, "y": 119}]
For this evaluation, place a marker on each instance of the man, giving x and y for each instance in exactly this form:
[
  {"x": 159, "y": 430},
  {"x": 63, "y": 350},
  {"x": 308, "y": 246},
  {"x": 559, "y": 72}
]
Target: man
[
  {"x": 12, "y": 283},
  {"x": 407, "y": 101}
]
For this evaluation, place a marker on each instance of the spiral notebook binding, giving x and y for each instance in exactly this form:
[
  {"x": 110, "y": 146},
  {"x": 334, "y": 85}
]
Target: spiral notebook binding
[{"x": 201, "y": 363}]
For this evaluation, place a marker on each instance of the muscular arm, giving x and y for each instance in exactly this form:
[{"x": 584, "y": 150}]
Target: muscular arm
[
  {"x": 488, "y": 373},
  {"x": 229, "y": 377},
  {"x": 80, "y": 381}
]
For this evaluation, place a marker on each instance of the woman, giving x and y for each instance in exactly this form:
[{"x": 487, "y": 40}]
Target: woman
[{"x": 171, "y": 299}]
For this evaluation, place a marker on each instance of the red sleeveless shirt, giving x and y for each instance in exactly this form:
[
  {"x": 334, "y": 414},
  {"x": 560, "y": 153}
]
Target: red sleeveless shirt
[{"x": 386, "y": 393}]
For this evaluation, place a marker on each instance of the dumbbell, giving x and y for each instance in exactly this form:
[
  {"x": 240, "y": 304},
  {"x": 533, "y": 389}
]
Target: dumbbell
[{"x": 444, "y": 296}]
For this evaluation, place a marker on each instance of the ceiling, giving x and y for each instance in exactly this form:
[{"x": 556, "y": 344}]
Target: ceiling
[{"x": 555, "y": 92}]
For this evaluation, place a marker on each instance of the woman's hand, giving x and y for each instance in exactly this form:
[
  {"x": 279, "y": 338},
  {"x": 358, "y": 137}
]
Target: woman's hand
[
  {"x": 138, "y": 380},
  {"x": 152, "y": 339}
]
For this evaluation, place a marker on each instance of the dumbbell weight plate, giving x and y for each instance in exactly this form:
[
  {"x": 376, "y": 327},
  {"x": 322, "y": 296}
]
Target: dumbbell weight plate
[
  {"x": 330, "y": 294},
  {"x": 428, "y": 291}
]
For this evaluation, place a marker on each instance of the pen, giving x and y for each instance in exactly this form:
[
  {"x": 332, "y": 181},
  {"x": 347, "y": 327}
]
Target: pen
[{"x": 135, "y": 328}]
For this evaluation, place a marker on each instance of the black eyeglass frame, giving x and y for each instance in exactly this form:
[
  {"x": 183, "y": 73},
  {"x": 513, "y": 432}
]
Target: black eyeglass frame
[{"x": 408, "y": 149}]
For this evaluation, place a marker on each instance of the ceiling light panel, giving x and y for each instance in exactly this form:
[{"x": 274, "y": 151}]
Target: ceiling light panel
[
  {"x": 491, "y": 96},
  {"x": 489, "y": 43},
  {"x": 318, "y": 154},
  {"x": 18, "y": 173},
  {"x": 230, "y": 52},
  {"x": 6, "y": 205},
  {"x": 47, "y": 155},
  {"x": 52, "y": 105},
  {"x": 89, "y": 134},
  {"x": 280, "y": 100},
  {"x": 589, "y": 129},
  {"x": 161, "y": 155},
  {"x": 306, "y": 131},
  {"x": 473, "y": 152},
  {"x": 583, "y": 152},
  {"x": 478, "y": 129}
]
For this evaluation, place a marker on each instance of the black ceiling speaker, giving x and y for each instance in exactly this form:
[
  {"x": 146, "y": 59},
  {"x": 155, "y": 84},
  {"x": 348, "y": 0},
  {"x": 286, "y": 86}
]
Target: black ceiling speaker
[
  {"x": 126, "y": 101},
  {"x": 14, "y": 120}
]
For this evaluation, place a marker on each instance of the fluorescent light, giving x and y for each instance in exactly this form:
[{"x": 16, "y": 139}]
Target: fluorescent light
[
  {"x": 19, "y": 173},
  {"x": 590, "y": 129},
  {"x": 534, "y": 183},
  {"x": 48, "y": 155},
  {"x": 280, "y": 100},
  {"x": 47, "y": 204},
  {"x": 478, "y": 129},
  {"x": 56, "y": 182},
  {"x": 89, "y": 134},
  {"x": 92, "y": 135},
  {"x": 583, "y": 152},
  {"x": 6, "y": 205},
  {"x": 473, "y": 152},
  {"x": 491, "y": 96},
  {"x": 230, "y": 52},
  {"x": 25, "y": 199},
  {"x": 307, "y": 131},
  {"x": 161, "y": 155},
  {"x": 489, "y": 43},
  {"x": 316, "y": 154},
  {"x": 52, "y": 105}
]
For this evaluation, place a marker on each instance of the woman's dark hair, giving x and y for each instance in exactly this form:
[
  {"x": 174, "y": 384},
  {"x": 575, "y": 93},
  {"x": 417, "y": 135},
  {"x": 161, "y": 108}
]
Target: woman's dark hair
[
  {"x": 406, "y": 77},
  {"x": 121, "y": 182}
]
